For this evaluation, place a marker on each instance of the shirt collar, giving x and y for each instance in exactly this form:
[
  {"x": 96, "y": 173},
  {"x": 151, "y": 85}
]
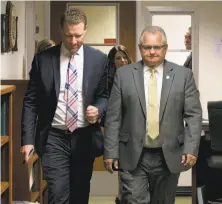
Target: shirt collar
[
  {"x": 65, "y": 51},
  {"x": 159, "y": 68}
]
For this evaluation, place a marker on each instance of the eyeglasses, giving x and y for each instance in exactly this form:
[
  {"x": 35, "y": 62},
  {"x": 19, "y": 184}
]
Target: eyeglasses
[{"x": 156, "y": 47}]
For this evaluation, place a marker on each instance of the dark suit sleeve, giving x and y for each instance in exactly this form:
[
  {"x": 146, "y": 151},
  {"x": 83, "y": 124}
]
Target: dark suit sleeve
[
  {"x": 192, "y": 116},
  {"x": 102, "y": 93},
  {"x": 113, "y": 121},
  {"x": 29, "y": 111}
]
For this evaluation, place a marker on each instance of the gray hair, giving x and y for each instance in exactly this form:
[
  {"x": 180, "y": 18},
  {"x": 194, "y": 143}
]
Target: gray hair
[
  {"x": 153, "y": 30},
  {"x": 73, "y": 16},
  {"x": 44, "y": 44}
]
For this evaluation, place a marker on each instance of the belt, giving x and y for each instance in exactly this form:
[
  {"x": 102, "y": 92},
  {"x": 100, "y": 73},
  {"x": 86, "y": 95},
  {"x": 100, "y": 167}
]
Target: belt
[
  {"x": 68, "y": 132},
  {"x": 153, "y": 150},
  {"x": 65, "y": 132}
]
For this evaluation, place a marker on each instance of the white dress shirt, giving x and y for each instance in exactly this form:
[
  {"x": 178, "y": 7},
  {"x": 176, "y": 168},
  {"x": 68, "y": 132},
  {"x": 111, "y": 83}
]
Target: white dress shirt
[{"x": 60, "y": 114}]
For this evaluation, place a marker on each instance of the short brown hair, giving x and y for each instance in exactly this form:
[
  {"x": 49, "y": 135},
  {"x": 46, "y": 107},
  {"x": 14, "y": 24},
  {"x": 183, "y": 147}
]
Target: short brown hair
[{"x": 73, "y": 16}]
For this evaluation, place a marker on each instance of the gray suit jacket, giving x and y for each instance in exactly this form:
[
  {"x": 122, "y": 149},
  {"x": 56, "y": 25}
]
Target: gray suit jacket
[
  {"x": 125, "y": 125},
  {"x": 188, "y": 62}
]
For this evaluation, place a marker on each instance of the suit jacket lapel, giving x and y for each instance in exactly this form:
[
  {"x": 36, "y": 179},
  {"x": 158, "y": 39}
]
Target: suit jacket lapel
[
  {"x": 86, "y": 71},
  {"x": 168, "y": 76},
  {"x": 56, "y": 69},
  {"x": 138, "y": 76}
]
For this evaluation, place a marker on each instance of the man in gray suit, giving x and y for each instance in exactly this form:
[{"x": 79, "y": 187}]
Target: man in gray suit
[
  {"x": 187, "y": 42},
  {"x": 144, "y": 128}
]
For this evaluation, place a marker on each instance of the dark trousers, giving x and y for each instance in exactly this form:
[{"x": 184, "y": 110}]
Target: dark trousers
[
  {"x": 67, "y": 166},
  {"x": 151, "y": 182}
]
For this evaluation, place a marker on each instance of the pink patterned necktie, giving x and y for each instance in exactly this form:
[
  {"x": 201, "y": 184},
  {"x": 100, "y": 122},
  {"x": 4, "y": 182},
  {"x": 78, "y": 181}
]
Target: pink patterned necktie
[{"x": 71, "y": 96}]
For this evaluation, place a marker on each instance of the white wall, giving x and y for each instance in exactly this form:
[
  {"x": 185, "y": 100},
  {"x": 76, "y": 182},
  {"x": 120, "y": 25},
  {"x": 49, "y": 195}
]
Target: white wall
[
  {"x": 210, "y": 65},
  {"x": 13, "y": 64}
]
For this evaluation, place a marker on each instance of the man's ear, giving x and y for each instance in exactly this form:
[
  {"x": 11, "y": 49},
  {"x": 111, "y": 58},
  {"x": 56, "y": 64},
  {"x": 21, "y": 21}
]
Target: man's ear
[{"x": 86, "y": 27}]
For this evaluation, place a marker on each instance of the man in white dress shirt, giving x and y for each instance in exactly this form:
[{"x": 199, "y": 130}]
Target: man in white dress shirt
[{"x": 66, "y": 96}]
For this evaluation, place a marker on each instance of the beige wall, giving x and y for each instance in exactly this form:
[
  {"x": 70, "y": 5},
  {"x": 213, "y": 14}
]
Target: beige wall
[
  {"x": 40, "y": 19},
  {"x": 16, "y": 65},
  {"x": 106, "y": 28},
  {"x": 13, "y": 64}
]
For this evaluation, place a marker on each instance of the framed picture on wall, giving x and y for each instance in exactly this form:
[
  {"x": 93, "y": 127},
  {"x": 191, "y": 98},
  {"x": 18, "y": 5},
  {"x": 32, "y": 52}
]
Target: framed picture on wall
[
  {"x": 10, "y": 10},
  {"x": 16, "y": 35},
  {"x": 3, "y": 33},
  {"x": 9, "y": 29}
]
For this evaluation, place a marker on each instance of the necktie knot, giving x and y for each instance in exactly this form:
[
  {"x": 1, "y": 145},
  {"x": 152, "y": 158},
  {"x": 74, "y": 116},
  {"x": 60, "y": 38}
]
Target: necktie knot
[
  {"x": 152, "y": 70},
  {"x": 71, "y": 57}
]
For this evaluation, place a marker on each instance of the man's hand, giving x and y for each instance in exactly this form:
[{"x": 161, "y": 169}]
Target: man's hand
[
  {"x": 27, "y": 150},
  {"x": 188, "y": 160},
  {"x": 92, "y": 114},
  {"x": 108, "y": 164}
]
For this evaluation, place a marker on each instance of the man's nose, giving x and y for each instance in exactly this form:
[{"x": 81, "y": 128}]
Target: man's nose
[
  {"x": 152, "y": 51},
  {"x": 73, "y": 40}
]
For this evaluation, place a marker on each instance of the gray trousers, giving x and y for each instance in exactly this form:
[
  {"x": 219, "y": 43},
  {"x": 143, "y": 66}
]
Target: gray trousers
[{"x": 150, "y": 183}]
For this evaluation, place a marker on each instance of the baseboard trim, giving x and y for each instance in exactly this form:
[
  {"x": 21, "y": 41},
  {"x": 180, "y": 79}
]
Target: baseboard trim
[{"x": 184, "y": 191}]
